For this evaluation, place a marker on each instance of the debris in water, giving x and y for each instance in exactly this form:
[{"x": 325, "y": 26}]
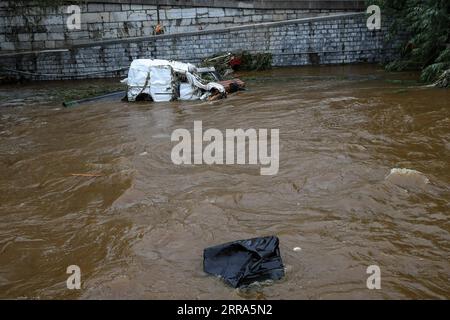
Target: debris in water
[
  {"x": 407, "y": 178},
  {"x": 243, "y": 262},
  {"x": 226, "y": 63},
  {"x": 297, "y": 249},
  {"x": 163, "y": 80}
]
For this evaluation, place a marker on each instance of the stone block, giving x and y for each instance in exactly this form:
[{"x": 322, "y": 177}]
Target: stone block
[
  {"x": 188, "y": 13},
  {"x": 26, "y": 45},
  {"x": 279, "y": 17},
  {"x": 23, "y": 37},
  {"x": 91, "y": 17},
  {"x": 216, "y": 12},
  {"x": 60, "y": 43},
  {"x": 174, "y": 14},
  {"x": 113, "y": 7},
  {"x": 149, "y": 7},
  {"x": 138, "y": 16},
  {"x": 202, "y": 11},
  {"x": 96, "y": 7},
  {"x": 186, "y": 22},
  {"x": 7, "y": 46},
  {"x": 118, "y": 16},
  {"x": 39, "y": 45},
  {"x": 152, "y": 15},
  {"x": 49, "y": 44},
  {"x": 232, "y": 12},
  {"x": 56, "y": 36},
  {"x": 243, "y": 19},
  {"x": 39, "y": 36},
  {"x": 227, "y": 19},
  {"x": 53, "y": 20},
  {"x": 75, "y": 35}
]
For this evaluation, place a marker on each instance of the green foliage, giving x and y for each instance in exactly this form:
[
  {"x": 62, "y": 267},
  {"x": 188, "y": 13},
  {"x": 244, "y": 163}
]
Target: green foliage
[
  {"x": 257, "y": 61},
  {"x": 428, "y": 24}
]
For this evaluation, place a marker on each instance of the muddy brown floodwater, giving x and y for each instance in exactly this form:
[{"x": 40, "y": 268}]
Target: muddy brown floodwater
[{"x": 139, "y": 229}]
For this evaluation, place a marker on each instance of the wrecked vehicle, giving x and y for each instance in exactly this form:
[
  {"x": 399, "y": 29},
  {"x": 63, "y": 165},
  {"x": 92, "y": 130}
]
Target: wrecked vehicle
[{"x": 163, "y": 80}]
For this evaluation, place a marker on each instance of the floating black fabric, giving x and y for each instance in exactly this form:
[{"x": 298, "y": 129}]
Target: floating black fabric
[{"x": 242, "y": 262}]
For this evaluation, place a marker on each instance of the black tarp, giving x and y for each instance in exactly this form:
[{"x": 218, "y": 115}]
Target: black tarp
[{"x": 242, "y": 262}]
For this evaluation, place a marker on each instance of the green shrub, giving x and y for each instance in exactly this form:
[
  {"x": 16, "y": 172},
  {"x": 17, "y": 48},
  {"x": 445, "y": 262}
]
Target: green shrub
[{"x": 428, "y": 24}]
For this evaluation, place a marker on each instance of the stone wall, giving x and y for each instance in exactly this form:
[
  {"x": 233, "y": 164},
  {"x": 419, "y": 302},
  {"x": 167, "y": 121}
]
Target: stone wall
[
  {"x": 336, "y": 39},
  {"x": 34, "y": 28},
  {"x": 253, "y": 4}
]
